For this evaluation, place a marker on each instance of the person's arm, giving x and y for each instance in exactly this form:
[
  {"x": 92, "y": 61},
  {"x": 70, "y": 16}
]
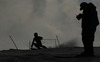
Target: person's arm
[
  {"x": 32, "y": 43},
  {"x": 79, "y": 16},
  {"x": 40, "y": 38}
]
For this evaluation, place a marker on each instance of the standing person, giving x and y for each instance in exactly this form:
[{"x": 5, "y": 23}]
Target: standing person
[
  {"x": 37, "y": 41},
  {"x": 89, "y": 23}
]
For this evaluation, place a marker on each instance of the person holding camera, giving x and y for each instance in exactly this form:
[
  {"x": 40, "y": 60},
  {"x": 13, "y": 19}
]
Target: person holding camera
[{"x": 89, "y": 24}]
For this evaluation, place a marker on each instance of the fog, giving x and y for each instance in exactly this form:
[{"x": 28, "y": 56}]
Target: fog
[{"x": 21, "y": 18}]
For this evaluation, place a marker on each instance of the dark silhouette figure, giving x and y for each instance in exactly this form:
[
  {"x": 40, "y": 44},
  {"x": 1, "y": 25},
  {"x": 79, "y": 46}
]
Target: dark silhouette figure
[
  {"x": 89, "y": 23},
  {"x": 37, "y": 41}
]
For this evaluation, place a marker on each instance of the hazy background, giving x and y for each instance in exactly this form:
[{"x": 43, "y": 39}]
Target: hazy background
[{"x": 21, "y": 18}]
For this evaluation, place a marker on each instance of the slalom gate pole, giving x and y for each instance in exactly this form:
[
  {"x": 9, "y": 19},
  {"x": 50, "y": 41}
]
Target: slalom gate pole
[
  {"x": 58, "y": 40},
  {"x": 13, "y": 42}
]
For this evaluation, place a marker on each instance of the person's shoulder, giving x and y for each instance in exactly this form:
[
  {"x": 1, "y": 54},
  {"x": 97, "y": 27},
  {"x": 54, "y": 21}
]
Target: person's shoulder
[
  {"x": 40, "y": 37},
  {"x": 91, "y": 5}
]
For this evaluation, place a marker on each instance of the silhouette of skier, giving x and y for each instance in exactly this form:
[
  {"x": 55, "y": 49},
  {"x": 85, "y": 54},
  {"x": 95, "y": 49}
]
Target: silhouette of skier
[
  {"x": 89, "y": 23},
  {"x": 37, "y": 41}
]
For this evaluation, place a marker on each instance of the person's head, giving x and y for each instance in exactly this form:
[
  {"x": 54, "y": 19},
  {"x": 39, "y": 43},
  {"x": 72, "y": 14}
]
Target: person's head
[
  {"x": 83, "y": 5},
  {"x": 35, "y": 34}
]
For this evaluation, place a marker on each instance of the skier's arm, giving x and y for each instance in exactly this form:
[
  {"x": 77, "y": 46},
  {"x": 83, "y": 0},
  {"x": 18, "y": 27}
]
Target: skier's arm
[{"x": 32, "y": 43}]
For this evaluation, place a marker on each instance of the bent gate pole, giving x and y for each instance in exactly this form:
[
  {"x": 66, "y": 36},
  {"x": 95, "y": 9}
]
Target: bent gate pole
[
  {"x": 58, "y": 40},
  {"x": 13, "y": 42}
]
